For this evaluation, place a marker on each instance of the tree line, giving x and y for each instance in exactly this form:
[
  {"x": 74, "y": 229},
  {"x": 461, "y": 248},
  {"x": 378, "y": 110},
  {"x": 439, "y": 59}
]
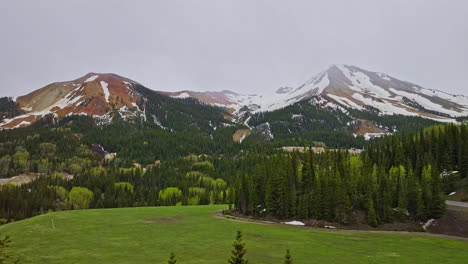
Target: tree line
[{"x": 398, "y": 177}]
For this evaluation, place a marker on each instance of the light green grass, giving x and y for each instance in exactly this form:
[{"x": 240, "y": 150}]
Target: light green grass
[{"x": 148, "y": 235}]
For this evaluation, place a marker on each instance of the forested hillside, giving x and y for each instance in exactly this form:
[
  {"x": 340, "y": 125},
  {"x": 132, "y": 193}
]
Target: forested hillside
[
  {"x": 401, "y": 176},
  {"x": 302, "y": 123}
]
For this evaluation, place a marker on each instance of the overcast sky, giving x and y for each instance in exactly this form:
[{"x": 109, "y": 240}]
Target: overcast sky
[{"x": 245, "y": 46}]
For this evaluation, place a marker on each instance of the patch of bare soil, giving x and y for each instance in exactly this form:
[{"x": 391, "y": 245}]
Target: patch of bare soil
[
  {"x": 358, "y": 223},
  {"x": 453, "y": 223},
  {"x": 362, "y": 127},
  {"x": 162, "y": 219},
  {"x": 241, "y": 134},
  {"x": 408, "y": 228}
]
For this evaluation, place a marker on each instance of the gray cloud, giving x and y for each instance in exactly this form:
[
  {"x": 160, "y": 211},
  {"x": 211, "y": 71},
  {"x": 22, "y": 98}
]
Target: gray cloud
[{"x": 244, "y": 46}]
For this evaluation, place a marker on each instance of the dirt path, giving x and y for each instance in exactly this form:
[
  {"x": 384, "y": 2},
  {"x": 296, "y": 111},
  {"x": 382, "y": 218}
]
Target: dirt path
[{"x": 219, "y": 215}]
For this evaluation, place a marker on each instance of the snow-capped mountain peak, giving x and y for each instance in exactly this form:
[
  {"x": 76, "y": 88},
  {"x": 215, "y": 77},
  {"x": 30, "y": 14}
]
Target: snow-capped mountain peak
[
  {"x": 349, "y": 87},
  {"x": 341, "y": 87}
]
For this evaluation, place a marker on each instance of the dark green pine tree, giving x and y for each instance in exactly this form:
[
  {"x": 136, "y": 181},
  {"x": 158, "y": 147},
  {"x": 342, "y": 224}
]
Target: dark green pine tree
[
  {"x": 239, "y": 251},
  {"x": 438, "y": 200},
  {"x": 371, "y": 216},
  {"x": 420, "y": 208},
  {"x": 287, "y": 258},
  {"x": 172, "y": 259}
]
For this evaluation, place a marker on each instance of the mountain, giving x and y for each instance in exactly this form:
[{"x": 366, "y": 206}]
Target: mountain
[
  {"x": 333, "y": 107},
  {"x": 346, "y": 87},
  {"x": 94, "y": 95},
  {"x": 109, "y": 96}
]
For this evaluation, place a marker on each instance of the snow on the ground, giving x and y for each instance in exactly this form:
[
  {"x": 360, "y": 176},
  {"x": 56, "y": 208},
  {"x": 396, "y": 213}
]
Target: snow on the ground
[
  {"x": 296, "y": 223},
  {"x": 246, "y": 123},
  {"x": 458, "y": 99},
  {"x": 447, "y": 173},
  {"x": 386, "y": 107},
  {"x": 242, "y": 138},
  {"x": 92, "y": 78},
  {"x": 270, "y": 135},
  {"x": 428, "y": 223},
  {"x": 426, "y": 103},
  {"x": 362, "y": 83},
  {"x": 136, "y": 106},
  {"x": 157, "y": 122},
  {"x": 384, "y": 76},
  {"x": 368, "y": 136},
  {"x": 294, "y": 116},
  {"x": 106, "y": 90},
  {"x": 182, "y": 95},
  {"x": 345, "y": 101},
  {"x": 318, "y": 83},
  {"x": 23, "y": 123}
]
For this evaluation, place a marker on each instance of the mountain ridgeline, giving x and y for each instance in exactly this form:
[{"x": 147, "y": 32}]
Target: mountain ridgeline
[{"x": 342, "y": 106}]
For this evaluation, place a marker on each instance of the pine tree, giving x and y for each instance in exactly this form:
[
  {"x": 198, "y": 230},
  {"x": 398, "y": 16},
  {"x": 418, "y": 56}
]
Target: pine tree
[
  {"x": 287, "y": 258},
  {"x": 239, "y": 251},
  {"x": 172, "y": 259},
  {"x": 438, "y": 201},
  {"x": 420, "y": 208},
  {"x": 4, "y": 245},
  {"x": 371, "y": 216}
]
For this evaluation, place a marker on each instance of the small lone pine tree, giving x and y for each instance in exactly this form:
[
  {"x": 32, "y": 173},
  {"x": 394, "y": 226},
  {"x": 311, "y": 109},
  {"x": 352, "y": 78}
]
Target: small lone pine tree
[
  {"x": 172, "y": 259},
  {"x": 287, "y": 258},
  {"x": 239, "y": 251}
]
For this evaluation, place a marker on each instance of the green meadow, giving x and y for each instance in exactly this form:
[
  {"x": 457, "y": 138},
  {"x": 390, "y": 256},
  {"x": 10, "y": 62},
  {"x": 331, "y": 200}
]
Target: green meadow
[{"x": 149, "y": 234}]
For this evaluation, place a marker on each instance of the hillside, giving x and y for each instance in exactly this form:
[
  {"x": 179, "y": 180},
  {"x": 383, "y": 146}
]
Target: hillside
[{"x": 148, "y": 235}]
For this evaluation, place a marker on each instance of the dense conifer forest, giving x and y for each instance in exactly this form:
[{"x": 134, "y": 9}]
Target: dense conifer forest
[{"x": 402, "y": 176}]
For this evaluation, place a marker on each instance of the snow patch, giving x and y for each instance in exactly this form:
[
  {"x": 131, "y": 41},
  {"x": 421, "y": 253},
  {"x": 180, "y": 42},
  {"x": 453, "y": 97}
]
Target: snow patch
[
  {"x": 242, "y": 138},
  {"x": 92, "y": 78},
  {"x": 157, "y": 122},
  {"x": 369, "y": 136},
  {"x": 182, "y": 95},
  {"x": 270, "y": 135},
  {"x": 106, "y": 90},
  {"x": 296, "y": 223},
  {"x": 345, "y": 101},
  {"x": 428, "y": 224},
  {"x": 361, "y": 82},
  {"x": 246, "y": 123},
  {"x": 23, "y": 123}
]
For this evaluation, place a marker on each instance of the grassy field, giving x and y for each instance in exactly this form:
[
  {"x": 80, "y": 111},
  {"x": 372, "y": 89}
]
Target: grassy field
[{"x": 148, "y": 235}]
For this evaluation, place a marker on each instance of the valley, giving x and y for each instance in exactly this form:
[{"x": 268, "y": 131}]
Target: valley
[
  {"x": 239, "y": 132},
  {"x": 102, "y": 160}
]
